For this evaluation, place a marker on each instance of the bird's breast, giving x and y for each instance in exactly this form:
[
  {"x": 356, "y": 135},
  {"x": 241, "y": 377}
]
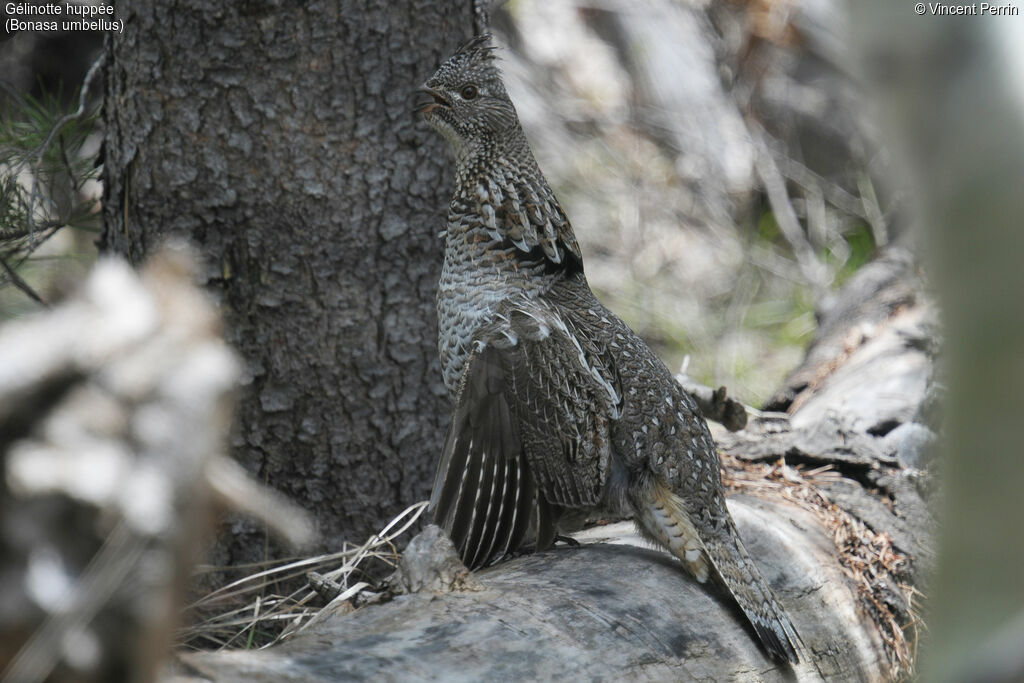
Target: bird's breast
[{"x": 477, "y": 276}]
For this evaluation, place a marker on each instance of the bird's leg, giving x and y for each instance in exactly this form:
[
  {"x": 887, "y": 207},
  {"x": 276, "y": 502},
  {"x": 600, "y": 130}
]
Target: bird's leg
[{"x": 530, "y": 548}]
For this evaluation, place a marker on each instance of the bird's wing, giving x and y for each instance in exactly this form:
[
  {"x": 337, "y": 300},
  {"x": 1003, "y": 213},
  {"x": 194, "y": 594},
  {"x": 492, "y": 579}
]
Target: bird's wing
[
  {"x": 530, "y": 434},
  {"x": 530, "y": 218}
]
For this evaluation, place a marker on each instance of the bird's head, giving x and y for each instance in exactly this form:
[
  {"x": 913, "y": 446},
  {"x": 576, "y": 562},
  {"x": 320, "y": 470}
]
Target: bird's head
[{"x": 469, "y": 105}]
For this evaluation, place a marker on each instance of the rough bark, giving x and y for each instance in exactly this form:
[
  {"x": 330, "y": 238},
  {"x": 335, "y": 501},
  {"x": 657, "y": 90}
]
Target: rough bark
[{"x": 280, "y": 139}]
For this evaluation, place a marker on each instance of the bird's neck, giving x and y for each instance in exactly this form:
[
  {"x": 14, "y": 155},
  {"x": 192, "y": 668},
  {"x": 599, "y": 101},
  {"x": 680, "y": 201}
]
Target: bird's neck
[{"x": 505, "y": 159}]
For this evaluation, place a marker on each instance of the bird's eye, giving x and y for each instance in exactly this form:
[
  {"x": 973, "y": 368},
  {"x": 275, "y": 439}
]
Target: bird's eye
[{"x": 469, "y": 92}]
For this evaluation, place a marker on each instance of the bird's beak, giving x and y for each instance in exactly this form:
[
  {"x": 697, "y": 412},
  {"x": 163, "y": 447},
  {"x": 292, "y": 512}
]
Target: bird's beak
[{"x": 438, "y": 101}]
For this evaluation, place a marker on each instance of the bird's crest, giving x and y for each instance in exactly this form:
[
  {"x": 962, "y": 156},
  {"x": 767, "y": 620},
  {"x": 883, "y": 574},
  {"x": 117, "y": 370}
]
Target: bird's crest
[
  {"x": 474, "y": 59},
  {"x": 478, "y": 47}
]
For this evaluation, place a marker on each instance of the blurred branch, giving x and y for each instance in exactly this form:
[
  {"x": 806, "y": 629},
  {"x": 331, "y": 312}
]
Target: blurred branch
[
  {"x": 872, "y": 211},
  {"x": 235, "y": 490},
  {"x": 778, "y": 197},
  {"x": 809, "y": 180},
  {"x": 817, "y": 214},
  {"x": 114, "y": 411},
  {"x": 108, "y": 569}
]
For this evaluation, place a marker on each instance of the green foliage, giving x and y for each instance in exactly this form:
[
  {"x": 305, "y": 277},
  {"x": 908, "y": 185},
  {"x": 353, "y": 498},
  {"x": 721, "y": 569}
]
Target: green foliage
[
  {"x": 861, "y": 242},
  {"x": 47, "y": 158},
  {"x": 858, "y": 249},
  {"x": 768, "y": 228},
  {"x": 788, "y": 320},
  {"x": 36, "y": 156}
]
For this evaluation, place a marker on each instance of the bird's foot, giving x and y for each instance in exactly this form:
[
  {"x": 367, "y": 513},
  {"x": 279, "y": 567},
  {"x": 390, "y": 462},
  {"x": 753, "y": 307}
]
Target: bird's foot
[
  {"x": 568, "y": 540},
  {"x": 531, "y": 548}
]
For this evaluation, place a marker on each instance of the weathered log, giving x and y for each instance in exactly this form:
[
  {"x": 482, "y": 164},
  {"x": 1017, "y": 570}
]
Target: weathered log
[
  {"x": 872, "y": 356},
  {"x": 716, "y": 404},
  {"x": 612, "y": 609}
]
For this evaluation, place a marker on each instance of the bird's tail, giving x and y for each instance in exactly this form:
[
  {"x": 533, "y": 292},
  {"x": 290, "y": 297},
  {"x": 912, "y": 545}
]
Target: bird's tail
[
  {"x": 665, "y": 521},
  {"x": 743, "y": 579}
]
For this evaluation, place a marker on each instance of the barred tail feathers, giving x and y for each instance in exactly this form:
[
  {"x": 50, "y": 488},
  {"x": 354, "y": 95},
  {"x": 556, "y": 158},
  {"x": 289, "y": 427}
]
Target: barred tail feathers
[
  {"x": 752, "y": 593},
  {"x": 665, "y": 521}
]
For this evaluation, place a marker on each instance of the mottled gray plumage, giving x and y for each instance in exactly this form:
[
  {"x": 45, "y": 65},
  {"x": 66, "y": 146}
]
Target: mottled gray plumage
[{"x": 559, "y": 405}]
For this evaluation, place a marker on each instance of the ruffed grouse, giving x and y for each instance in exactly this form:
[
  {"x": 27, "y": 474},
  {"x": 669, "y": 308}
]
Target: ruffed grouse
[{"x": 559, "y": 405}]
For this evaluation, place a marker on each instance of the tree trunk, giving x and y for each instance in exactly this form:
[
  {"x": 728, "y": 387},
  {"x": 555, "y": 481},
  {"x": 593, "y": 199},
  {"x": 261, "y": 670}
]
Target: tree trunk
[
  {"x": 281, "y": 141},
  {"x": 959, "y": 123}
]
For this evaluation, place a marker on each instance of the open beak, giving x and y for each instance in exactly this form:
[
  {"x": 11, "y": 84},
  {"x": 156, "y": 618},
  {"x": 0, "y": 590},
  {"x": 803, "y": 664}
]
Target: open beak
[{"x": 439, "y": 100}]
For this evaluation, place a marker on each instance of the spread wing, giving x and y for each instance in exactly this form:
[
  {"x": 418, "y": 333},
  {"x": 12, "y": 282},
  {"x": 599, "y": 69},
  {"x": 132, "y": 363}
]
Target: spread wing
[{"x": 530, "y": 434}]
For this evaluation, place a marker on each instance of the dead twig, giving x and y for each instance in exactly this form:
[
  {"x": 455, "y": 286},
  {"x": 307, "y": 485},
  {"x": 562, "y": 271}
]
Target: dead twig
[
  {"x": 785, "y": 215},
  {"x": 18, "y": 282},
  {"x": 40, "y": 151},
  {"x": 715, "y": 404}
]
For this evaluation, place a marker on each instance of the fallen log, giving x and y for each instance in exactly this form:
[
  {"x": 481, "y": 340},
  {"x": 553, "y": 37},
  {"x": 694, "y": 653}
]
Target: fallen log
[{"x": 613, "y": 608}]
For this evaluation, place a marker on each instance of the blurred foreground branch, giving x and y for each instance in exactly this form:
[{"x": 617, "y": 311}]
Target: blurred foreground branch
[{"x": 113, "y": 412}]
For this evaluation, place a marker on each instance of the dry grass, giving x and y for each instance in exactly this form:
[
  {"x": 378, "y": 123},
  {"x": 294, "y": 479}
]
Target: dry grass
[
  {"x": 247, "y": 613},
  {"x": 868, "y": 558}
]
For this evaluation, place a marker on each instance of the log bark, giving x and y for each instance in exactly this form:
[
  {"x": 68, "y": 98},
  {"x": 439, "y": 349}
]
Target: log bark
[
  {"x": 280, "y": 140},
  {"x": 612, "y": 609}
]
